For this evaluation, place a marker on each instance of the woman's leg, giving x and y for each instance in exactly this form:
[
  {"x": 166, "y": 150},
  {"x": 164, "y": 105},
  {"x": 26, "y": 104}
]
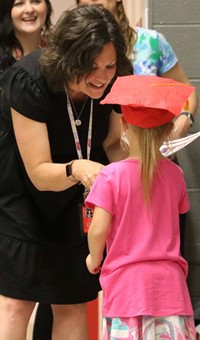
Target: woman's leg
[
  {"x": 69, "y": 322},
  {"x": 14, "y": 318}
]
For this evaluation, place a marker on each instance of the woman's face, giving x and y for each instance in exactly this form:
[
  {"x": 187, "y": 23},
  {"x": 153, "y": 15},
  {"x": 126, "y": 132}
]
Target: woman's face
[
  {"x": 28, "y": 16},
  {"x": 95, "y": 82},
  {"x": 111, "y": 5}
]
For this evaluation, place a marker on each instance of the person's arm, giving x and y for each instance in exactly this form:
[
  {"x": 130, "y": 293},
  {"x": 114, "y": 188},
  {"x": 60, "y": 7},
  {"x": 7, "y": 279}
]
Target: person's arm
[
  {"x": 182, "y": 122},
  {"x": 112, "y": 144},
  {"x": 97, "y": 235},
  {"x": 33, "y": 144}
]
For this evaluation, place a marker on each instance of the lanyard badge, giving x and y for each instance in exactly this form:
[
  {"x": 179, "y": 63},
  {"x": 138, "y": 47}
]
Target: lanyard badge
[{"x": 85, "y": 213}]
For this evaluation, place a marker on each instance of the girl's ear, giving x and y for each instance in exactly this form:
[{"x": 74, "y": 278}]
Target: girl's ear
[
  {"x": 124, "y": 124},
  {"x": 124, "y": 139}
]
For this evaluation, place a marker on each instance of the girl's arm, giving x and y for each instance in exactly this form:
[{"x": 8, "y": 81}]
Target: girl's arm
[{"x": 97, "y": 235}]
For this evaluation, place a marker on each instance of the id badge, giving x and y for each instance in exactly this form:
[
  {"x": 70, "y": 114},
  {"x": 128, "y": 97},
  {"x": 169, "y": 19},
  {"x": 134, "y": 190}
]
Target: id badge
[{"x": 86, "y": 218}]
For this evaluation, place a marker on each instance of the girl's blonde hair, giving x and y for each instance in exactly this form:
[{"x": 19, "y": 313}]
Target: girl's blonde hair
[
  {"x": 128, "y": 32},
  {"x": 150, "y": 140}
]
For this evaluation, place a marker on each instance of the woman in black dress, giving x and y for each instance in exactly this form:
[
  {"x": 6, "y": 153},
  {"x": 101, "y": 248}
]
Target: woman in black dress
[{"x": 54, "y": 139}]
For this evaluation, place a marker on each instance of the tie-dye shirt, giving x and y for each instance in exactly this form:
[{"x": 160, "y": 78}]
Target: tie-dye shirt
[{"x": 153, "y": 53}]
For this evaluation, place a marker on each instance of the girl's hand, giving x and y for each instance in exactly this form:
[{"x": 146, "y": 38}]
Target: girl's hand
[{"x": 90, "y": 267}]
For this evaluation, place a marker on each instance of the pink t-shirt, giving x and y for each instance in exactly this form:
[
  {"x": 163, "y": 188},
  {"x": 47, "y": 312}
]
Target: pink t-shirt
[{"x": 143, "y": 272}]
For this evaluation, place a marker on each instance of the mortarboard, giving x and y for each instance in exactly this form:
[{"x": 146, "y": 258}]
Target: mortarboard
[{"x": 148, "y": 101}]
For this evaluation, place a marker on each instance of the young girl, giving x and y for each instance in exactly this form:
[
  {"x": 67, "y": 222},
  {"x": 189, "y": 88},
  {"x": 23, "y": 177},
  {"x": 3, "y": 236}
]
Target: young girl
[{"x": 137, "y": 203}]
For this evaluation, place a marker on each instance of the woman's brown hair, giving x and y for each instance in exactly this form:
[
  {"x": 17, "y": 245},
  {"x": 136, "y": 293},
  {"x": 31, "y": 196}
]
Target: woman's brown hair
[{"x": 75, "y": 42}]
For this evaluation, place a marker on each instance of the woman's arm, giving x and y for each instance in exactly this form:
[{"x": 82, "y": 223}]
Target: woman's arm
[
  {"x": 97, "y": 235},
  {"x": 182, "y": 122},
  {"x": 33, "y": 143},
  {"x": 112, "y": 143}
]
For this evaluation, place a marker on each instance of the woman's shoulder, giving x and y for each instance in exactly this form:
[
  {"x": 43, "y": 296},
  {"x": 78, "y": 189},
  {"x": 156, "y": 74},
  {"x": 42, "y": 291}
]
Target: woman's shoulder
[
  {"x": 154, "y": 54},
  {"x": 150, "y": 35},
  {"x": 25, "y": 75},
  {"x": 30, "y": 64},
  {"x": 25, "y": 88},
  {"x": 147, "y": 32}
]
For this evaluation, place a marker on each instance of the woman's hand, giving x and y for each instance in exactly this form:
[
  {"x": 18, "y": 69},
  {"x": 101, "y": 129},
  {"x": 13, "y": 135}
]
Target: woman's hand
[
  {"x": 90, "y": 266},
  {"x": 85, "y": 171},
  {"x": 33, "y": 143}
]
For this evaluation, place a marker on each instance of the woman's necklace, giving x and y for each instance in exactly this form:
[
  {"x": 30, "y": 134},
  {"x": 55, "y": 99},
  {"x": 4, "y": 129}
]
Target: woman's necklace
[
  {"x": 75, "y": 132},
  {"x": 19, "y": 54},
  {"x": 78, "y": 122}
]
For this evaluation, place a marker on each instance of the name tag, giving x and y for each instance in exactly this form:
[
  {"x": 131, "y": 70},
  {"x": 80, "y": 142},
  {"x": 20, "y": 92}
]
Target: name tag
[{"x": 86, "y": 217}]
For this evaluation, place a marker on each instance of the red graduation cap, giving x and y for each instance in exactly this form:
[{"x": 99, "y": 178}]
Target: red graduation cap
[{"x": 148, "y": 101}]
